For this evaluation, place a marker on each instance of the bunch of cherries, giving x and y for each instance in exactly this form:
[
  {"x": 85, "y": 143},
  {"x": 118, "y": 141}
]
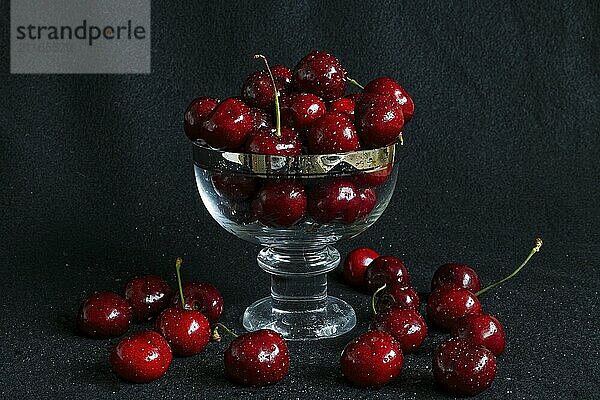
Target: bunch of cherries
[
  {"x": 289, "y": 112},
  {"x": 463, "y": 365},
  {"x": 182, "y": 327}
]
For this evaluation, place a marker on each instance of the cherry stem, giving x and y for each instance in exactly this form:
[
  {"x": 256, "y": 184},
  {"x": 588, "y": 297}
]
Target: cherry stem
[
  {"x": 352, "y": 81},
  {"x": 277, "y": 113},
  {"x": 538, "y": 245},
  {"x": 177, "y": 269},
  {"x": 374, "y": 296},
  {"x": 215, "y": 334}
]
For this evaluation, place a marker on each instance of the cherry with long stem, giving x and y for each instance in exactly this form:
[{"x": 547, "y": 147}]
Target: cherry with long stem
[
  {"x": 374, "y": 297},
  {"x": 215, "y": 334},
  {"x": 536, "y": 248},
  {"x": 178, "y": 262},
  {"x": 277, "y": 112}
]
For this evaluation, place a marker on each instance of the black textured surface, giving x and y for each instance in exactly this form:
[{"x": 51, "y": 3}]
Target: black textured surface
[{"x": 98, "y": 187}]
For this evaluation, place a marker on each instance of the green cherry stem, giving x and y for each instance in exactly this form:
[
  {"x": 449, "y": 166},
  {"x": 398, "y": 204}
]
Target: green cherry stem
[
  {"x": 215, "y": 333},
  {"x": 538, "y": 245},
  {"x": 177, "y": 269},
  {"x": 374, "y": 296},
  {"x": 277, "y": 112},
  {"x": 352, "y": 81}
]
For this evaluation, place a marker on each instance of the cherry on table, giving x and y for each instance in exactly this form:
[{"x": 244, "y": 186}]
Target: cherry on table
[
  {"x": 386, "y": 270},
  {"x": 448, "y": 303},
  {"x": 388, "y": 87},
  {"x": 379, "y": 120},
  {"x": 397, "y": 295},
  {"x": 228, "y": 125},
  {"x": 196, "y": 113},
  {"x": 340, "y": 201},
  {"x": 406, "y": 325},
  {"x": 104, "y": 315},
  {"x": 481, "y": 329},
  {"x": 280, "y": 203},
  {"x": 141, "y": 357},
  {"x": 459, "y": 274},
  {"x": 266, "y": 141},
  {"x": 372, "y": 360},
  {"x": 300, "y": 110},
  {"x": 320, "y": 73},
  {"x": 148, "y": 296},
  {"x": 334, "y": 132},
  {"x": 201, "y": 296},
  {"x": 463, "y": 368},
  {"x": 355, "y": 265}
]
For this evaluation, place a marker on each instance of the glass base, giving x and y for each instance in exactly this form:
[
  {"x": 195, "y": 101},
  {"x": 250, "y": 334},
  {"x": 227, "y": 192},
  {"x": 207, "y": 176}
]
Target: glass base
[{"x": 334, "y": 318}]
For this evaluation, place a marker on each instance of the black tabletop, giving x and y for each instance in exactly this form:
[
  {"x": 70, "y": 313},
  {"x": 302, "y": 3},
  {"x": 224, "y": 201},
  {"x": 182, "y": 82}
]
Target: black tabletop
[{"x": 98, "y": 187}]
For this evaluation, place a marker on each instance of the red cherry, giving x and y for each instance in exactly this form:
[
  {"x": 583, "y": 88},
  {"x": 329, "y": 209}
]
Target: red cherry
[
  {"x": 388, "y": 87},
  {"x": 257, "y": 90},
  {"x": 234, "y": 187},
  {"x": 482, "y": 329},
  {"x": 373, "y": 179},
  {"x": 386, "y": 270},
  {"x": 280, "y": 203},
  {"x": 201, "y": 296},
  {"x": 196, "y": 113},
  {"x": 404, "y": 324},
  {"x": 282, "y": 72},
  {"x": 463, "y": 368},
  {"x": 355, "y": 265},
  {"x": 141, "y": 357},
  {"x": 340, "y": 201},
  {"x": 379, "y": 120},
  {"x": 260, "y": 119},
  {"x": 228, "y": 125},
  {"x": 372, "y": 360},
  {"x": 186, "y": 331},
  {"x": 398, "y": 295},
  {"x": 148, "y": 296},
  {"x": 104, "y": 315},
  {"x": 257, "y": 358},
  {"x": 344, "y": 105},
  {"x": 459, "y": 274},
  {"x": 448, "y": 303},
  {"x": 265, "y": 141},
  {"x": 332, "y": 133},
  {"x": 300, "y": 110},
  {"x": 354, "y": 97},
  {"x": 322, "y": 74}
]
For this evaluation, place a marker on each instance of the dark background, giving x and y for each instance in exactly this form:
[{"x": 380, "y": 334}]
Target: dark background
[{"x": 97, "y": 187}]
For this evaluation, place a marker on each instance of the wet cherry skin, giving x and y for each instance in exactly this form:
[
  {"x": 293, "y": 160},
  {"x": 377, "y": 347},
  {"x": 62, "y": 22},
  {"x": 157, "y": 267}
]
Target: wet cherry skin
[
  {"x": 340, "y": 201},
  {"x": 372, "y": 360},
  {"x": 280, "y": 203},
  {"x": 388, "y": 87},
  {"x": 355, "y": 266},
  {"x": 398, "y": 295},
  {"x": 373, "y": 179},
  {"x": 148, "y": 296},
  {"x": 458, "y": 274},
  {"x": 104, "y": 315},
  {"x": 141, "y": 357},
  {"x": 379, "y": 120},
  {"x": 300, "y": 110},
  {"x": 201, "y": 296},
  {"x": 196, "y": 113},
  {"x": 260, "y": 119},
  {"x": 448, "y": 303},
  {"x": 320, "y": 73},
  {"x": 406, "y": 325},
  {"x": 386, "y": 270},
  {"x": 257, "y": 90},
  {"x": 228, "y": 125},
  {"x": 282, "y": 72},
  {"x": 343, "y": 105},
  {"x": 234, "y": 187},
  {"x": 258, "y": 358},
  {"x": 186, "y": 331},
  {"x": 265, "y": 141},
  {"x": 481, "y": 329},
  {"x": 463, "y": 368},
  {"x": 332, "y": 133}
]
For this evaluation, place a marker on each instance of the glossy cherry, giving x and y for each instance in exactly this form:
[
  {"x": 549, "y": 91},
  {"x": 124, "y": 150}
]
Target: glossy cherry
[
  {"x": 257, "y": 90},
  {"x": 258, "y": 358},
  {"x": 260, "y": 119},
  {"x": 234, "y": 187},
  {"x": 340, "y": 201},
  {"x": 266, "y": 141},
  {"x": 280, "y": 203},
  {"x": 343, "y": 105},
  {"x": 104, "y": 315},
  {"x": 386, "y": 270},
  {"x": 406, "y": 325},
  {"x": 320, "y": 73},
  {"x": 196, "y": 113},
  {"x": 398, "y": 295},
  {"x": 300, "y": 110},
  {"x": 141, "y": 357},
  {"x": 459, "y": 274},
  {"x": 283, "y": 72},
  {"x": 372, "y": 360},
  {"x": 378, "y": 119},
  {"x": 373, "y": 179},
  {"x": 355, "y": 266},
  {"x": 148, "y": 296},
  {"x": 463, "y": 368},
  {"x": 201, "y": 296},
  {"x": 332, "y": 133},
  {"x": 448, "y": 303},
  {"x": 228, "y": 125},
  {"x": 390, "y": 88},
  {"x": 481, "y": 329}
]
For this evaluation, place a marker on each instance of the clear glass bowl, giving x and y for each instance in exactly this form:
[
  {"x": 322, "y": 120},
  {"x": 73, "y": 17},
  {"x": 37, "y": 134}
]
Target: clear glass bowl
[{"x": 298, "y": 257}]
